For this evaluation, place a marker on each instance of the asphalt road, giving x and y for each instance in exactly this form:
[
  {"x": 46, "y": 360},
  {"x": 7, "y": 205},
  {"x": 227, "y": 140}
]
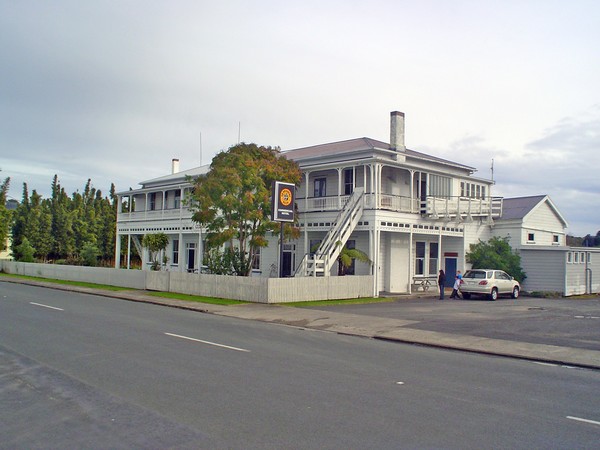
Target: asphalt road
[
  {"x": 563, "y": 322},
  {"x": 81, "y": 371}
]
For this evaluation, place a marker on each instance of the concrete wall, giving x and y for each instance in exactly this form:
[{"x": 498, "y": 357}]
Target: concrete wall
[{"x": 251, "y": 289}]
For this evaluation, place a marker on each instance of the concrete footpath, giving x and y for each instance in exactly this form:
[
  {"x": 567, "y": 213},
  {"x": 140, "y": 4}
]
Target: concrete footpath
[{"x": 394, "y": 328}]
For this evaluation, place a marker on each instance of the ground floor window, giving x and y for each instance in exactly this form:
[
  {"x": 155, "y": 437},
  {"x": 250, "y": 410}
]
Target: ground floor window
[
  {"x": 433, "y": 258},
  {"x": 175, "y": 252},
  {"x": 256, "y": 259},
  {"x": 420, "y": 258},
  {"x": 426, "y": 258}
]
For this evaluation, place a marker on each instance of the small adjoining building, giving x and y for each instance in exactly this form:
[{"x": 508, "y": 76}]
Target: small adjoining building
[{"x": 536, "y": 229}]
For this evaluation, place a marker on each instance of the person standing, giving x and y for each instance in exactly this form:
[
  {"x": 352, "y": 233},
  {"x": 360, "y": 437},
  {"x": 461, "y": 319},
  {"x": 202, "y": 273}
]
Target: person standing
[{"x": 442, "y": 283}]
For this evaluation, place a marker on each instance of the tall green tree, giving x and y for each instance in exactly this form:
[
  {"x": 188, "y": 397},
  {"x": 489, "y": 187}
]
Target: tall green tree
[
  {"x": 19, "y": 225},
  {"x": 39, "y": 226},
  {"x": 5, "y": 214},
  {"x": 233, "y": 200},
  {"x": 496, "y": 254},
  {"x": 62, "y": 222}
]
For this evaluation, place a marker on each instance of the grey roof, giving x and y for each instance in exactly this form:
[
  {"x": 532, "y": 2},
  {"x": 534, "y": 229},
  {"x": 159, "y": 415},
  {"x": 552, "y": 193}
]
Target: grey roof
[
  {"x": 519, "y": 207},
  {"x": 178, "y": 177},
  {"x": 357, "y": 145}
]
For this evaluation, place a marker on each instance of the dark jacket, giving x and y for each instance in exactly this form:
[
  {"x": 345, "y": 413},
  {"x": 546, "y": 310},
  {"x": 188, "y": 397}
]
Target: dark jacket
[{"x": 442, "y": 279}]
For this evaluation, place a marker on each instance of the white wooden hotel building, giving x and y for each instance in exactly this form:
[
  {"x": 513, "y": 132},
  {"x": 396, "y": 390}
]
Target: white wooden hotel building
[{"x": 410, "y": 212}]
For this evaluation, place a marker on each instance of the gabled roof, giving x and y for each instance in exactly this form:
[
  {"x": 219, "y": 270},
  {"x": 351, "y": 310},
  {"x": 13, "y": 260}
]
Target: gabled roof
[
  {"x": 360, "y": 145},
  {"x": 518, "y": 208}
]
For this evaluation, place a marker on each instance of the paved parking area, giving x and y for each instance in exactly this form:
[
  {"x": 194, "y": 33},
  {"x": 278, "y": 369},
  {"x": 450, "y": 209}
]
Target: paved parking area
[{"x": 563, "y": 322}]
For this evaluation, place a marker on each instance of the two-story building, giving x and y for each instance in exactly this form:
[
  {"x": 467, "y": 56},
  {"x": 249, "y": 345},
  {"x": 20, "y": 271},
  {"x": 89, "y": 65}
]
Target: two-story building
[{"x": 410, "y": 212}]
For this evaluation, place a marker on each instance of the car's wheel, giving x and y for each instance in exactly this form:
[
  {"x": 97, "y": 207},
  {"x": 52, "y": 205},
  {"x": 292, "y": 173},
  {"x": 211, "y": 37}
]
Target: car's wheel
[
  {"x": 494, "y": 294},
  {"x": 466, "y": 295},
  {"x": 515, "y": 292}
]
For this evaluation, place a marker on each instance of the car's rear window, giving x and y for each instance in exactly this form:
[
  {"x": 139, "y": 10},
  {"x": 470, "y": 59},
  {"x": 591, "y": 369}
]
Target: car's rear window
[{"x": 478, "y": 274}]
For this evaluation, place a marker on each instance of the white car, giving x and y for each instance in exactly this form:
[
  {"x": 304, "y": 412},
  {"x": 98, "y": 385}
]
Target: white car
[{"x": 490, "y": 283}]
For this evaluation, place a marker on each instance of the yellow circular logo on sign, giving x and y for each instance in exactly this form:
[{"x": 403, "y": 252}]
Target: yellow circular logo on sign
[{"x": 285, "y": 197}]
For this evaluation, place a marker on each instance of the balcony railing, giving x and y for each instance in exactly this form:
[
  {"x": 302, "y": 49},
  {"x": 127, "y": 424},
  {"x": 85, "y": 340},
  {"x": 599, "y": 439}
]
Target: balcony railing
[
  {"x": 467, "y": 207},
  {"x": 160, "y": 214},
  {"x": 432, "y": 206}
]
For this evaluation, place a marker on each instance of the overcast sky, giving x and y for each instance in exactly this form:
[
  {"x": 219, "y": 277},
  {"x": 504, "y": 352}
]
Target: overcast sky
[{"x": 113, "y": 90}]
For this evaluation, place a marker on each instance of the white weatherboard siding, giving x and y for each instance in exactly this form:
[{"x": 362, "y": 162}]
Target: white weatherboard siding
[
  {"x": 545, "y": 269},
  {"x": 583, "y": 272},
  {"x": 544, "y": 223}
]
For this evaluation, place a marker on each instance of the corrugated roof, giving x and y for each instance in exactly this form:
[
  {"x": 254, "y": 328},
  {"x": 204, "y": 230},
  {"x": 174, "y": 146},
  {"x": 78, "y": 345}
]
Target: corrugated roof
[
  {"x": 519, "y": 207},
  {"x": 357, "y": 145}
]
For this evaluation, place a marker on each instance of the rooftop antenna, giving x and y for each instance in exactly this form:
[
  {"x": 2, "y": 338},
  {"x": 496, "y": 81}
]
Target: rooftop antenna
[{"x": 492, "y": 169}]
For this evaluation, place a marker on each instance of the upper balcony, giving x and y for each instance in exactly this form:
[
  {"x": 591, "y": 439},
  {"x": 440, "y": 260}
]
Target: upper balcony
[
  {"x": 431, "y": 207},
  {"x": 158, "y": 214}
]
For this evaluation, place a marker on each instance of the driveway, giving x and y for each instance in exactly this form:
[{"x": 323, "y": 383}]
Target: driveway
[{"x": 562, "y": 322}]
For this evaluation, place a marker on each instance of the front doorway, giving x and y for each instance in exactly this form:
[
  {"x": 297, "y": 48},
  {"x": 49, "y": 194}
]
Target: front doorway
[
  {"x": 190, "y": 248},
  {"x": 288, "y": 260},
  {"x": 450, "y": 269}
]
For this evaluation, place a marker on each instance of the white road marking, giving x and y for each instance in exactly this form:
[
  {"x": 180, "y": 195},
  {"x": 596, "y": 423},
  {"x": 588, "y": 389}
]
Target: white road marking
[
  {"x": 579, "y": 419},
  {"x": 399, "y": 382},
  {"x": 46, "y": 306},
  {"x": 207, "y": 342},
  {"x": 545, "y": 364}
]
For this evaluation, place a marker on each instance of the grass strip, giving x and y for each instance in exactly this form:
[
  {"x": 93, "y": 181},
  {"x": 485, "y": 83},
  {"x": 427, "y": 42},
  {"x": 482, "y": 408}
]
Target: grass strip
[
  {"x": 106, "y": 287},
  {"x": 197, "y": 298}
]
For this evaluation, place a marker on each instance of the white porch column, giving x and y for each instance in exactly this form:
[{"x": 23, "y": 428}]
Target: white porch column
[
  {"x": 306, "y": 186},
  {"x": 180, "y": 251},
  {"x": 410, "y": 260},
  {"x": 378, "y": 188},
  {"x": 118, "y": 251},
  {"x": 198, "y": 253},
  {"x": 146, "y": 207},
  {"x": 412, "y": 191},
  {"x": 129, "y": 251},
  {"x": 439, "y": 251},
  {"x": 339, "y": 189}
]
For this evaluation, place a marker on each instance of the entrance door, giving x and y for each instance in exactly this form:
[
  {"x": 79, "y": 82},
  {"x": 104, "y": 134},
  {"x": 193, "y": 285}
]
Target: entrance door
[
  {"x": 191, "y": 256},
  {"x": 450, "y": 269},
  {"x": 288, "y": 260}
]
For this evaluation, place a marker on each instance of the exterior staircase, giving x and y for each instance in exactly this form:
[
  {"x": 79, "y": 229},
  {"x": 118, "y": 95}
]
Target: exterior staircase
[{"x": 320, "y": 263}]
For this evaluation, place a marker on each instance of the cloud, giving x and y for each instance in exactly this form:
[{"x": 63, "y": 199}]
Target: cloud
[{"x": 562, "y": 163}]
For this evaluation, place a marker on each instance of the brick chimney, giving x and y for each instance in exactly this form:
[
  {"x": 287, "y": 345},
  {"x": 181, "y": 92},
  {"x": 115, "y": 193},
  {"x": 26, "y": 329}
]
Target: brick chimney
[
  {"x": 397, "y": 131},
  {"x": 174, "y": 165}
]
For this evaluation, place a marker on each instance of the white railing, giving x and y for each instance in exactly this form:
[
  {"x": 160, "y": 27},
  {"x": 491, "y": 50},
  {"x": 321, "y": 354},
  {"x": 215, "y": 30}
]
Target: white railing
[
  {"x": 320, "y": 263},
  {"x": 160, "y": 214},
  {"x": 467, "y": 207},
  {"x": 431, "y": 206}
]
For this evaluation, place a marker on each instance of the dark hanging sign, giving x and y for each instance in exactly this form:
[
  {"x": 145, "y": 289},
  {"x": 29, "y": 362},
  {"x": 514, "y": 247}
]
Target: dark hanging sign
[{"x": 283, "y": 202}]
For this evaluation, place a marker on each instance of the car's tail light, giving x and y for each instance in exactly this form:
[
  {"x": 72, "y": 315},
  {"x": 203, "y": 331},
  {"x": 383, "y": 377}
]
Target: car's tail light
[{"x": 483, "y": 283}]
